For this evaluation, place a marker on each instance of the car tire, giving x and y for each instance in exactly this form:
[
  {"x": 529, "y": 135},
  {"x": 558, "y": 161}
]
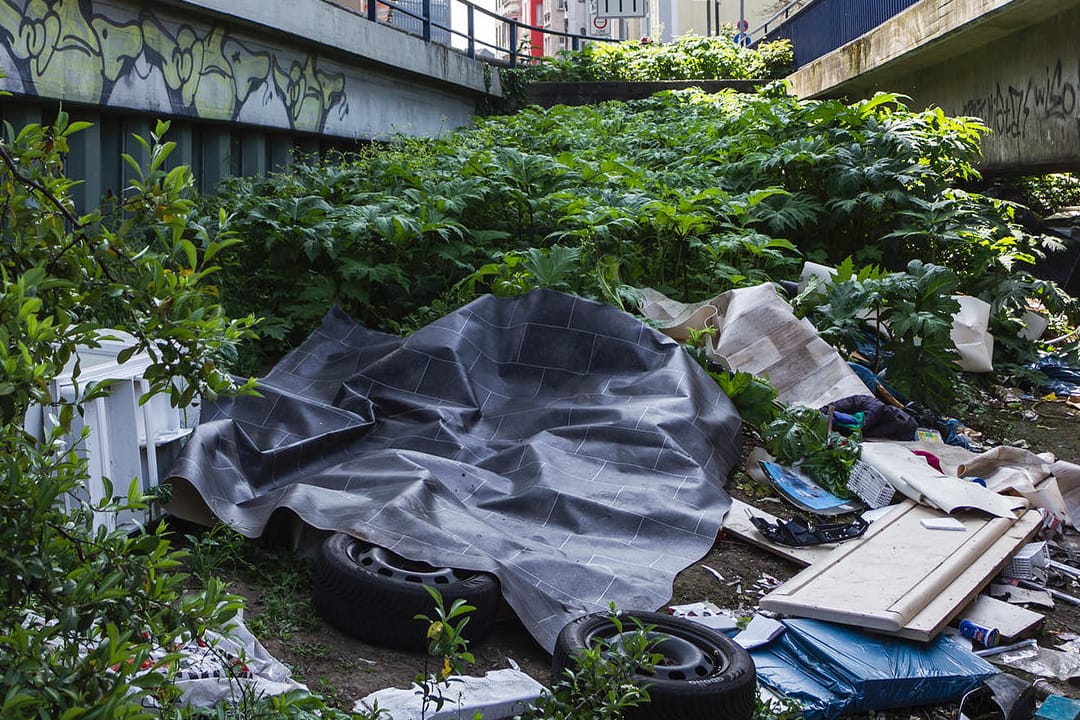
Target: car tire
[
  {"x": 369, "y": 593},
  {"x": 702, "y": 674}
]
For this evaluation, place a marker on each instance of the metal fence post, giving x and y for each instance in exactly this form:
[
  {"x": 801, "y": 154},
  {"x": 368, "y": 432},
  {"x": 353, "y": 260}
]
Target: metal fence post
[
  {"x": 372, "y": 10},
  {"x": 472, "y": 31},
  {"x": 513, "y": 43},
  {"x": 426, "y": 12}
]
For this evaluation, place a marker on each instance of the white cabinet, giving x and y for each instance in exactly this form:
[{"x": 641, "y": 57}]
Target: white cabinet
[{"x": 125, "y": 440}]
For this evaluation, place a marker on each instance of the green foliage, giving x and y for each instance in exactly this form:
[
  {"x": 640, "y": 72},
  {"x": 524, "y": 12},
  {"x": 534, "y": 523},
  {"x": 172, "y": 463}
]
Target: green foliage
[
  {"x": 907, "y": 317},
  {"x": 800, "y": 437},
  {"x": 445, "y": 642},
  {"x": 686, "y": 192},
  {"x": 754, "y": 397},
  {"x": 689, "y": 57},
  {"x": 600, "y": 685},
  {"x": 1048, "y": 194},
  {"x": 90, "y": 615}
]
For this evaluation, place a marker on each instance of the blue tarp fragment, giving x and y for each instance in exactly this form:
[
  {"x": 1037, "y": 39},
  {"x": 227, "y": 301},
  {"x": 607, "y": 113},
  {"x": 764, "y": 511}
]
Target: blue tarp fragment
[{"x": 834, "y": 670}]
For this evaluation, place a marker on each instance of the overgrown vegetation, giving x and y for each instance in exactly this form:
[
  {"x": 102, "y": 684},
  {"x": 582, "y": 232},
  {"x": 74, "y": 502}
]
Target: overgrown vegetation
[
  {"x": 92, "y": 616},
  {"x": 689, "y": 193},
  {"x": 688, "y": 57},
  {"x": 1048, "y": 194}
]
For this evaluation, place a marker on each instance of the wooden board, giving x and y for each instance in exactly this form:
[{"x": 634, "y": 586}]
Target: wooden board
[
  {"x": 902, "y": 578},
  {"x": 933, "y": 618},
  {"x": 1011, "y": 621}
]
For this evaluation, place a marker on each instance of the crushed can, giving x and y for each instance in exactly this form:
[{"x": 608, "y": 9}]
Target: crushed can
[{"x": 986, "y": 636}]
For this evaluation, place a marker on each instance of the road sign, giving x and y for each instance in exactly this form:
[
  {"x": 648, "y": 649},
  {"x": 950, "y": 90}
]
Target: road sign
[
  {"x": 742, "y": 39},
  {"x": 743, "y": 25},
  {"x": 620, "y": 8}
]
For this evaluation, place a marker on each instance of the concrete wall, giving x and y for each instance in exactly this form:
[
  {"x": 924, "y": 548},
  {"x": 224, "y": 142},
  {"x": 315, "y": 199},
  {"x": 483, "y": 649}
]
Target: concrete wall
[
  {"x": 1013, "y": 63},
  {"x": 244, "y": 82}
]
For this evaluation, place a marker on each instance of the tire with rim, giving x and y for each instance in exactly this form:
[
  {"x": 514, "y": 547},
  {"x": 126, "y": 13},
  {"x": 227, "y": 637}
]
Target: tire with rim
[
  {"x": 370, "y": 593},
  {"x": 702, "y": 674}
]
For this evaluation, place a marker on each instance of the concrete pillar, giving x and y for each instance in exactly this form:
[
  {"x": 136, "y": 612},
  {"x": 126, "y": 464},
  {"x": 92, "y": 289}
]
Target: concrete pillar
[
  {"x": 307, "y": 145},
  {"x": 184, "y": 152},
  {"x": 217, "y": 157},
  {"x": 253, "y": 153},
  {"x": 280, "y": 151},
  {"x": 111, "y": 146},
  {"x": 84, "y": 163},
  {"x": 20, "y": 113}
]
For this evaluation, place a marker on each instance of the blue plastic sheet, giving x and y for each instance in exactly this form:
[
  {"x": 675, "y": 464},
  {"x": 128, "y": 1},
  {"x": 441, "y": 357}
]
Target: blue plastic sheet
[
  {"x": 1061, "y": 378},
  {"x": 834, "y": 670}
]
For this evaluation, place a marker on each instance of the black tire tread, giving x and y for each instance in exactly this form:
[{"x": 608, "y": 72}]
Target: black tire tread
[
  {"x": 728, "y": 695},
  {"x": 381, "y": 610}
]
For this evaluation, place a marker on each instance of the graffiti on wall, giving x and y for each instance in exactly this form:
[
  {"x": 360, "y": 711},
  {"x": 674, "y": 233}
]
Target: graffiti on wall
[
  {"x": 1013, "y": 110},
  {"x": 84, "y": 50}
]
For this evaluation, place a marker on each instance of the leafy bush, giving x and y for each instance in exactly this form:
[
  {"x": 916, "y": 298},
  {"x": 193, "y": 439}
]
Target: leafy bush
[
  {"x": 689, "y": 57},
  {"x": 1048, "y": 194},
  {"x": 90, "y": 615},
  {"x": 690, "y": 193}
]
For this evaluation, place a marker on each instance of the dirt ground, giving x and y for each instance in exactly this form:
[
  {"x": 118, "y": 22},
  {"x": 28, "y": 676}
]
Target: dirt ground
[{"x": 343, "y": 669}]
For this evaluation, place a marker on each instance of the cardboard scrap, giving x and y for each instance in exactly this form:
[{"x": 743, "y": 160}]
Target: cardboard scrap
[{"x": 1011, "y": 621}]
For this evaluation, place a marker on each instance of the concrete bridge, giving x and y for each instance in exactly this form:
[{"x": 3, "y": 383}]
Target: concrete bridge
[
  {"x": 1013, "y": 63},
  {"x": 245, "y": 81}
]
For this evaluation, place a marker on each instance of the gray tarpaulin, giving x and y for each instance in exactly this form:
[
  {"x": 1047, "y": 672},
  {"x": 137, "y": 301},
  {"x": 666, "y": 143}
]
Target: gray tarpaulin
[{"x": 559, "y": 443}]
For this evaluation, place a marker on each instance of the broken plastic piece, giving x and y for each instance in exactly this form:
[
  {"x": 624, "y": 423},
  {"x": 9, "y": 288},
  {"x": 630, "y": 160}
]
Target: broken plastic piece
[
  {"x": 797, "y": 533},
  {"x": 1000, "y": 697}
]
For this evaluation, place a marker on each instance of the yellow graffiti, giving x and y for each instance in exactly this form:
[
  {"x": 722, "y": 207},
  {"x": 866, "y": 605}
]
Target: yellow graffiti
[
  {"x": 53, "y": 37},
  {"x": 308, "y": 92},
  {"x": 62, "y": 52}
]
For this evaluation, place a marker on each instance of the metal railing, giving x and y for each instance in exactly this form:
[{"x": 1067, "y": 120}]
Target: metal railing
[
  {"x": 817, "y": 27},
  {"x": 424, "y": 22}
]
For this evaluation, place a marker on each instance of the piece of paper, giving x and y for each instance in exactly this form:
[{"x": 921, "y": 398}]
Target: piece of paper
[{"x": 760, "y": 631}]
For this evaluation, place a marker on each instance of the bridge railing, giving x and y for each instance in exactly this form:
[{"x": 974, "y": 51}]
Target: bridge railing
[
  {"x": 430, "y": 20},
  {"x": 817, "y": 27}
]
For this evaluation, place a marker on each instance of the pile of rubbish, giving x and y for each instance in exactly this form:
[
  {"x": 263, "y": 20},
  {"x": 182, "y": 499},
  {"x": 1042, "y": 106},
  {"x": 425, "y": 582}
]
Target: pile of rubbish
[
  {"x": 926, "y": 579},
  {"x": 579, "y": 456}
]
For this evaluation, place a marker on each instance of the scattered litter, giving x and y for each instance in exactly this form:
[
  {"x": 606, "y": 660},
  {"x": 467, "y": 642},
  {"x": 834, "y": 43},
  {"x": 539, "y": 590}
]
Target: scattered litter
[
  {"x": 863, "y": 585},
  {"x": 706, "y": 613},
  {"x": 914, "y": 478},
  {"x": 983, "y": 635},
  {"x": 760, "y": 631},
  {"x": 365, "y": 661},
  {"x": 1021, "y": 596},
  {"x": 1044, "y": 662},
  {"x": 498, "y": 694},
  {"x": 1011, "y": 621},
  {"x": 799, "y": 533},
  {"x": 1057, "y": 594},
  {"x": 1023, "y": 563},
  {"x": 872, "y": 516},
  {"x": 870, "y": 485},
  {"x": 714, "y": 573},
  {"x": 221, "y": 667},
  {"x": 833, "y": 671},
  {"x": 803, "y": 492},
  {"x": 1023, "y": 644}
]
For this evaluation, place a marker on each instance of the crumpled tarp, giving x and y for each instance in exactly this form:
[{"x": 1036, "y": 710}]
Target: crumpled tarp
[
  {"x": 832, "y": 670},
  {"x": 557, "y": 442},
  {"x": 757, "y": 332}
]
